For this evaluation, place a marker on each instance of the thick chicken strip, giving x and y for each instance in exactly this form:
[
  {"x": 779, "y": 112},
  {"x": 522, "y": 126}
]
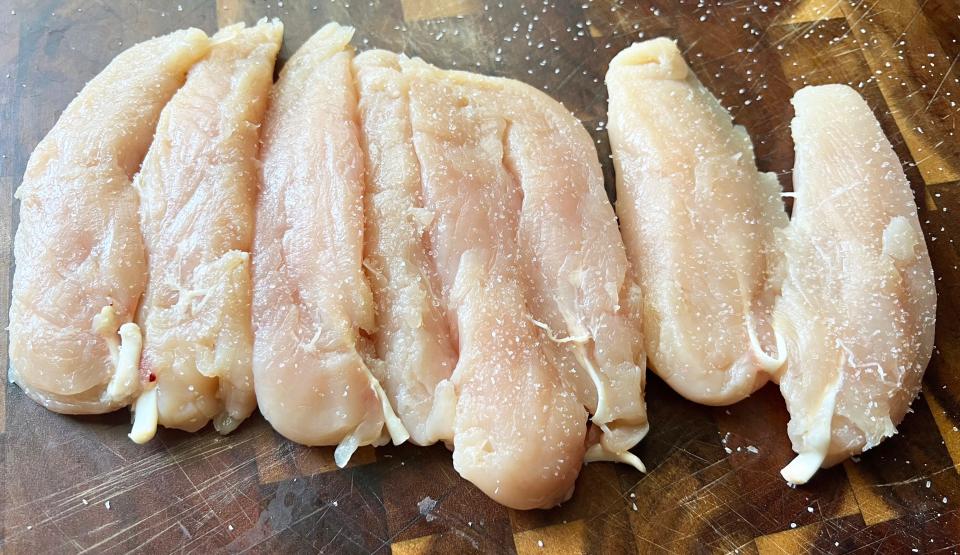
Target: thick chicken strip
[
  {"x": 511, "y": 229},
  {"x": 573, "y": 291},
  {"x": 859, "y": 301},
  {"x": 581, "y": 289},
  {"x": 81, "y": 265},
  {"x": 312, "y": 304},
  {"x": 518, "y": 430},
  {"x": 699, "y": 222},
  {"x": 198, "y": 186},
  {"x": 414, "y": 349}
]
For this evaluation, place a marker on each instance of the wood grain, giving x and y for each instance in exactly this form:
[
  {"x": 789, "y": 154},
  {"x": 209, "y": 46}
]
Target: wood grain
[
  {"x": 562, "y": 539},
  {"x": 10, "y": 172},
  {"x": 78, "y": 485},
  {"x": 229, "y": 12},
  {"x": 415, "y": 10},
  {"x": 279, "y": 460},
  {"x": 812, "y": 11},
  {"x": 795, "y": 540},
  {"x": 917, "y": 77}
]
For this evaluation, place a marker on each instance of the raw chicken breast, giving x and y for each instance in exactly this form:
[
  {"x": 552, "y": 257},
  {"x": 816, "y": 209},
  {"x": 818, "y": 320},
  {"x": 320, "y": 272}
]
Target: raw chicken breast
[
  {"x": 414, "y": 351},
  {"x": 531, "y": 274},
  {"x": 81, "y": 265},
  {"x": 858, "y": 304},
  {"x": 197, "y": 187},
  {"x": 312, "y": 305},
  {"x": 581, "y": 293},
  {"x": 698, "y": 220},
  {"x": 518, "y": 430}
]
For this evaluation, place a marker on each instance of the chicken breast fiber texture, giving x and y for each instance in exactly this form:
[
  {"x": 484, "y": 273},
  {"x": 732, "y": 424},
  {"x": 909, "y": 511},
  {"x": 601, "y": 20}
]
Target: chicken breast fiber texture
[
  {"x": 699, "y": 223},
  {"x": 81, "y": 263},
  {"x": 858, "y": 305},
  {"x": 313, "y": 309},
  {"x": 415, "y": 353},
  {"x": 495, "y": 255},
  {"x": 197, "y": 187}
]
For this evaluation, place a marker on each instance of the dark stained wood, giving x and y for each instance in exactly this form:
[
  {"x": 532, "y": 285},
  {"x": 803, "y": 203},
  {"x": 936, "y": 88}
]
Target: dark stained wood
[
  {"x": 682, "y": 502},
  {"x": 757, "y": 447},
  {"x": 942, "y": 380},
  {"x": 77, "y": 484}
]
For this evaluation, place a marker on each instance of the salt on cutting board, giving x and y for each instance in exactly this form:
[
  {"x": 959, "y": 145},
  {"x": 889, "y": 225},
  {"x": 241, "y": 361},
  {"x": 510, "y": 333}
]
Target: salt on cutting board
[
  {"x": 507, "y": 230},
  {"x": 315, "y": 459}
]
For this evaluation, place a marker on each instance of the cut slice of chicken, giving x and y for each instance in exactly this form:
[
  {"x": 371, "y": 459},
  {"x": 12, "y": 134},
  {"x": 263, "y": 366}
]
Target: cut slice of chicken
[
  {"x": 412, "y": 340},
  {"x": 518, "y": 430},
  {"x": 312, "y": 304},
  {"x": 197, "y": 188},
  {"x": 858, "y": 304},
  {"x": 81, "y": 265},
  {"x": 533, "y": 276},
  {"x": 581, "y": 290},
  {"x": 699, "y": 222}
]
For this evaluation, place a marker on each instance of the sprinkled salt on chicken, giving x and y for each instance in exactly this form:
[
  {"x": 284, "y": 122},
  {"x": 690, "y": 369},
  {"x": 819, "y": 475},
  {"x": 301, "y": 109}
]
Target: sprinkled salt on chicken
[
  {"x": 581, "y": 291},
  {"x": 534, "y": 285},
  {"x": 858, "y": 304},
  {"x": 519, "y": 430},
  {"x": 197, "y": 189},
  {"x": 415, "y": 354},
  {"x": 81, "y": 266},
  {"x": 313, "y": 310},
  {"x": 699, "y": 222}
]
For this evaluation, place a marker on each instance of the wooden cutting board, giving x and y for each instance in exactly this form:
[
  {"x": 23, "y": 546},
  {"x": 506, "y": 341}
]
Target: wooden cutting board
[{"x": 77, "y": 484}]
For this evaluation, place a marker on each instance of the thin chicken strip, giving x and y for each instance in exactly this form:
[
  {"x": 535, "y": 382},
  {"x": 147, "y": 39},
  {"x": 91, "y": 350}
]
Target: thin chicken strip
[
  {"x": 413, "y": 344},
  {"x": 859, "y": 301},
  {"x": 699, "y": 222},
  {"x": 312, "y": 303},
  {"x": 197, "y": 187},
  {"x": 81, "y": 266}
]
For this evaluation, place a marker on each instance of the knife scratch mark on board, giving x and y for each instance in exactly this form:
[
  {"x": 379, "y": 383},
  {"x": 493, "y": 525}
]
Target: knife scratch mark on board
[{"x": 129, "y": 478}]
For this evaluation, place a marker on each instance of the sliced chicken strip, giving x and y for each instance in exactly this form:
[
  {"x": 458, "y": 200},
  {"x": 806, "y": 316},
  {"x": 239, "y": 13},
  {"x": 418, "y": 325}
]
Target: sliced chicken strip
[
  {"x": 81, "y": 266},
  {"x": 412, "y": 340},
  {"x": 519, "y": 429},
  {"x": 859, "y": 301},
  {"x": 699, "y": 222},
  {"x": 581, "y": 291},
  {"x": 197, "y": 187},
  {"x": 311, "y": 299}
]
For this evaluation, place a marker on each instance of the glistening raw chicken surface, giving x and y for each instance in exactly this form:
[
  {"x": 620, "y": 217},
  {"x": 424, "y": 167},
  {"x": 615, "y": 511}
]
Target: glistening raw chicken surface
[
  {"x": 197, "y": 188},
  {"x": 312, "y": 305},
  {"x": 581, "y": 290},
  {"x": 858, "y": 305},
  {"x": 699, "y": 222},
  {"x": 415, "y": 354},
  {"x": 518, "y": 429},
  {"x": 533, "y": 280},
  {"x": 81, "y": 265}
]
